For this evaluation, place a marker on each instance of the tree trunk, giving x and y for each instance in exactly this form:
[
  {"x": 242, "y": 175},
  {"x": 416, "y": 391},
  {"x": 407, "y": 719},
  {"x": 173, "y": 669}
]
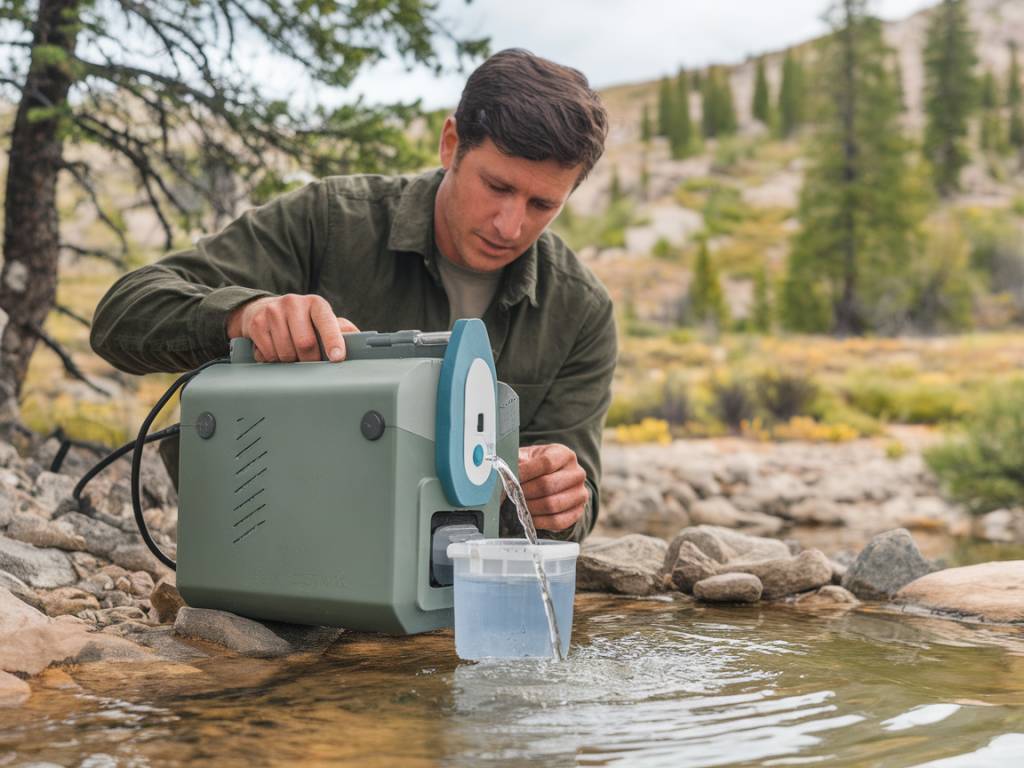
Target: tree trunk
[{"x": 28, "y": 281}]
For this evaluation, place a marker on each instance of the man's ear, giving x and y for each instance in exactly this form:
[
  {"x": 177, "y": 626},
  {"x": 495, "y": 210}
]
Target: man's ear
[{"x": 449, "y": 144}]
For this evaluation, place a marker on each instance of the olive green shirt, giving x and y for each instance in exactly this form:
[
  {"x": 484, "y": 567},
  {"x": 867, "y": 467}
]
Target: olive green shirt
[{"x": 366, "y": 244}]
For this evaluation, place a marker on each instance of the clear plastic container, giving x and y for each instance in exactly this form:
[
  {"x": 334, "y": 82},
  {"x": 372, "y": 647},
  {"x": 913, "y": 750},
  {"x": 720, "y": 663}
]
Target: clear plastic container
[{"x": 499, "y": 612}]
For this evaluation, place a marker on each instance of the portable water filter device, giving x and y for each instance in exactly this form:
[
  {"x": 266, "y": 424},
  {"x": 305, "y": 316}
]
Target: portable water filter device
[{"x": 327, "y": 493}]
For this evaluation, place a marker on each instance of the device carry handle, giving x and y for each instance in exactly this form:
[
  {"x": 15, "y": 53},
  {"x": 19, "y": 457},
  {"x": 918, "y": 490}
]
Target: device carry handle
[{"x": 366, "y": 345}]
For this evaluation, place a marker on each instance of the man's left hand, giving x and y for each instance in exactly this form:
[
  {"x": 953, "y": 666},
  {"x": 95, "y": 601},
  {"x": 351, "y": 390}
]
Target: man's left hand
[{"x": 553, "y": 483}]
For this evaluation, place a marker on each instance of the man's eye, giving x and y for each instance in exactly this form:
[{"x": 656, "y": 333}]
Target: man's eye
[{"x": 497, "y": 187}]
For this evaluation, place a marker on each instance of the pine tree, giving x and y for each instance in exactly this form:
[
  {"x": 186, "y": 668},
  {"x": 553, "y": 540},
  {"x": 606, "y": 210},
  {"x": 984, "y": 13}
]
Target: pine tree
[
  {"x": 726, "y": 104},
  {"x": 707, "y": 301},
  {"x": 646, "y": 128},
  {"x": 708, "y": 106},
  {"x": 614, "y": 187},
  {"x": 762, "y": 104},
  {"x": 761, "y": 315},
  {"x": 665, "y": 108},
  {"x": 681, "y": 135},
  {"x": 993, "y": 133},
  {"x": 719, "y": 113},
  {"x": 950, "y": 92},
  {"x": 859, "y": 208},
  {"x": 1015, "y": 101},
  {"x": 791, "y": 95}
]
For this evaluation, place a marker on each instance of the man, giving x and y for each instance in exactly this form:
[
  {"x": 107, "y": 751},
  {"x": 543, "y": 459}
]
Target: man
[{"x": 392, "y": 253}]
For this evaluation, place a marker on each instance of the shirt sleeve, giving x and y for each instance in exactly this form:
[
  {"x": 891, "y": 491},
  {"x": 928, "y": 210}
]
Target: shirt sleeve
[
  {"x": 574, "y": 409},
  {"x": 172, "y": 315}
]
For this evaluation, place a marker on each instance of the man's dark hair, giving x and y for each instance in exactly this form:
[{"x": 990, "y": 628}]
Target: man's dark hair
[{"x": 532, "y": 108}]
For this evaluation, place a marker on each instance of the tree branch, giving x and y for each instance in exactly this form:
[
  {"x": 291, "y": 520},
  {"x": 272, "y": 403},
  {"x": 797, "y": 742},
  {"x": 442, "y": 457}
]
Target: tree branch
[
  {"x": 68, "y": 312},
  {"x": 69, "y": 365}
]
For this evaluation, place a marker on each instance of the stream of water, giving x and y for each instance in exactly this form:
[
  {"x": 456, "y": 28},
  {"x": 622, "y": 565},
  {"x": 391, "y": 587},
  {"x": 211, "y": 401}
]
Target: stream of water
[{"x": 515, "y": 492}]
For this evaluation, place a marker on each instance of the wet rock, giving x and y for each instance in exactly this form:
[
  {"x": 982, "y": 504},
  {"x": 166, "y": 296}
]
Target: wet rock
[
  {"x": 685, "y": 565},
  {"x": 30, "y": 641},
  {"x": 729, "y": 588},
  {"x": 166, "y": 600},
  {"x": 235, "y": 633},
  {"x": 630, "y": 565},
  {"x": 817, "y": 511},
  {"x": 35, "y": 530},
  {"x": 63, "y": 600},
  {"x": 167, "y": 645},
  {"x": 838, "y": 571},
  {"x": 992, "y": 592},
  {"x": 40, "y": 568},
  {"x": 719, "y": 511},
  {"x": 1001, "y": 525},
  {"x": 100, "y": 538},
  {"x": 890, "y": 561},
  {"x": 787, "y": 575},
  {"x": 13, "y": 691},
  {"x": 829, "y": 596}
]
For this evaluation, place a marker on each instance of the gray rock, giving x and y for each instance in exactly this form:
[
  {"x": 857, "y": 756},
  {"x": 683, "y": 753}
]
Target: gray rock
[
  {"x": 786, "y": 576},
  {"x": 775, "y": 494},
  {"x": 64, "y": 600},
  {"x": 889, "y": 562},
  {"x": 99, "y": 537},
  {"x": 685, "y": 565},
  {"x": 682, "y": 493},
  {"x": 116, "y": 599},
  {"x": 6, "y": 505},
  {"x": 32, "y": 529},
  {"x": 724, "y": 544},
  {"x": 1005, "y": 525},
  {"x": 136, "y": 557},
  {"x": 52, "y": 487},
  {"x": 630, "y": 565},
  {"x": 740, "y": 468},
  {"x": 40, "y": 568},
  {"x": 20, "y": 589},
  {"x": 700, "y": 477},
  {"x": 729, "y": 588},
  {"x": 719, "y": 511},
  {"x": 8, "y": 455},
  {"x": 816, "y": 510},
  {"x": 235, "y": 633}
]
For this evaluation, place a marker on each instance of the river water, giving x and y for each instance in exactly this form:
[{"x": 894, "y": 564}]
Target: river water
[{"x": 660, "y": 682}]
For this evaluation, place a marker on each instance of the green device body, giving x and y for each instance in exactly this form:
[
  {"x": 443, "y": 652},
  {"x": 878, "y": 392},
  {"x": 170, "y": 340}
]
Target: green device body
[{"x": 309, "y": 492}]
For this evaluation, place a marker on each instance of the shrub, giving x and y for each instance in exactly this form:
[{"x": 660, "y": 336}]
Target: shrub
[
  {"x": 785, "y": 395},
  {"x": 647, "y": 431},
  {"x": 732, "y": 403},
  {"x": 984, "y": 467}
]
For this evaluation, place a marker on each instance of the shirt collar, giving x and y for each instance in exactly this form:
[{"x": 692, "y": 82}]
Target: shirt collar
[{"x": 412, "y": 231}]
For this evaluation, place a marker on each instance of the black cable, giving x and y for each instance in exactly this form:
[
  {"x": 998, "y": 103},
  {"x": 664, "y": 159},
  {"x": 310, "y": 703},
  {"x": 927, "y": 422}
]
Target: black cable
[
  {"x": 112, "y": 457},
  {"x": 140, "y": 442}
]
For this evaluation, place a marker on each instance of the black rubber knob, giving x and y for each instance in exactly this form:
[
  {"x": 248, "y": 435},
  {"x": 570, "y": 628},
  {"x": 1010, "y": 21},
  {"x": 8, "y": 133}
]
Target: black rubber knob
[
  {"x": 372, "y": 425},
  {"x": 206, "y": 425}
]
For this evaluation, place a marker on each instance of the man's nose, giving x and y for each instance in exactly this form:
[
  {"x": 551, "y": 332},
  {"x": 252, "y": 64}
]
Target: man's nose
[{"x": 509, "y": 221}]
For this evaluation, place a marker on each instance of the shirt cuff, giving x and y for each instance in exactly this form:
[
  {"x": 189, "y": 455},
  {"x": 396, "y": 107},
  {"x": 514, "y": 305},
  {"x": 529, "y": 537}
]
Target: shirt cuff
[{"x": 211, "y": 329}]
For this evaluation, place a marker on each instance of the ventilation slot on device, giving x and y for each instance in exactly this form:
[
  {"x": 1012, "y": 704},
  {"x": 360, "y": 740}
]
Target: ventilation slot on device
[{"x": 250, "y": 475}]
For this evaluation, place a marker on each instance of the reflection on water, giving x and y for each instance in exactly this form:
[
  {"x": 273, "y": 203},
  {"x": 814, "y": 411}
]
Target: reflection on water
[{"x": 647, "y": 683}]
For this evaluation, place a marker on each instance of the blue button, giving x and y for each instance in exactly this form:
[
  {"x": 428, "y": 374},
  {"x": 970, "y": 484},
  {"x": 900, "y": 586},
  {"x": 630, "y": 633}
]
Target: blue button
[{"x": 478, "y": 455}]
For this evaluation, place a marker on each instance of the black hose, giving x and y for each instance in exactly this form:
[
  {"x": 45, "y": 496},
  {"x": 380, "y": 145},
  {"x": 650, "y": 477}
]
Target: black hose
[
  {"x": 140, "y": 442},
  {"x": 112, "y": 457}
]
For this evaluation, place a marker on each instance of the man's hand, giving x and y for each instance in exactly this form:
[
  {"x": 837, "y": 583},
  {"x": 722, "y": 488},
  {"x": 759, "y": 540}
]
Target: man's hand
[
  {"x": 283, "y": 328},
  {"x": 553, "y": 483}
]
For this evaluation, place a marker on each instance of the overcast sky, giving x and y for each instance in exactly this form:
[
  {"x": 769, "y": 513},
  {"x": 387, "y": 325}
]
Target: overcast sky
[{"x": 615, "y": 41}]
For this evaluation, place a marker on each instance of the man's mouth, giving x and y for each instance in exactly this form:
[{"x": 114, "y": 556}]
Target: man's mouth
[{"x": 494, "y": 246}]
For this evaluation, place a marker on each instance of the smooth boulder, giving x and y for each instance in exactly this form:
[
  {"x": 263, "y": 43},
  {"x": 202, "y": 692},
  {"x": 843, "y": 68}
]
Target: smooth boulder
[
  {"x": 992, "y": 592},
  {"x": 786, "y": 575},
  {"x": 729, "y": 588}
]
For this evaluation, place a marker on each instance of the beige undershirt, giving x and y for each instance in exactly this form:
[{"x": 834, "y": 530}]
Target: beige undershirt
[{"x": 469, "y": 292}]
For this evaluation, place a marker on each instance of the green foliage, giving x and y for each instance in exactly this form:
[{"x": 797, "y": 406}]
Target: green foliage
[
  {"x": 646, "y": 127},
  {"x": 785, "y": 395},
  {"x": 718, "y": 116},
  {"x": 951, "y": 92},
  {"x": 607, "y": 230},
  {"x": 681, "y": 138},
  {"x": 984, "y": 467},
  {"x": 1015, "y": 100},
  {"x": 761, "y": 107},
  {"x": 791, "y": 95},
  {"x": 913, "y": 401},
  {"x": 860, "y": 205},
  {"x": 761, "y": 314},
  {"x": 724, "y": 210},
  {"x": 706, "y": 300},
  {"x": 941, "y": 282},
  {"x": 665, "y": 101}
]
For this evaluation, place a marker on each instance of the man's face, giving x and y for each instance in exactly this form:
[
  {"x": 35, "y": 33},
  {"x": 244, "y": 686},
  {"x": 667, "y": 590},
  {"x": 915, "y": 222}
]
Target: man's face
[{"x": 491, "y": 207}]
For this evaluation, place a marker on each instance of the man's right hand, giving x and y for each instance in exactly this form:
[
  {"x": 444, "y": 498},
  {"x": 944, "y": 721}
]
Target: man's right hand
[{"x": 284, "y": 328}]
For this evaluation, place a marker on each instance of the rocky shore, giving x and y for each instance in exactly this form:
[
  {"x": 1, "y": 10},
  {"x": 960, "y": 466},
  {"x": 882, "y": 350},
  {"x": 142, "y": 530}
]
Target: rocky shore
[{"x": 715, "y": 521}]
